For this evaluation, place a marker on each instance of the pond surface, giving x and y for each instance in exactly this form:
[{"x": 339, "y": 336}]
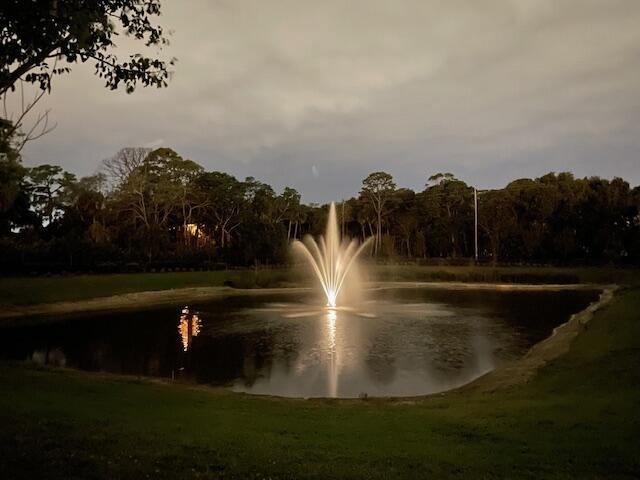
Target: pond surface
[{"x": 401, "y": 342}]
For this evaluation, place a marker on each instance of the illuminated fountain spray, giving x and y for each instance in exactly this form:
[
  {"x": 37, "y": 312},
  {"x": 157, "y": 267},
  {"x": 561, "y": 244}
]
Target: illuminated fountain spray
[{"x": 331, "y": 258}]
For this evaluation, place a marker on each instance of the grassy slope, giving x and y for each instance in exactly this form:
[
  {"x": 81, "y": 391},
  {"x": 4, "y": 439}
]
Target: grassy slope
[
  {"x": 29, "y": 291},
  {"x": 579, "y": 418}
]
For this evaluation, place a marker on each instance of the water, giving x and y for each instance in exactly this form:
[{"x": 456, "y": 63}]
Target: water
[{"x": 401, "y": 342}]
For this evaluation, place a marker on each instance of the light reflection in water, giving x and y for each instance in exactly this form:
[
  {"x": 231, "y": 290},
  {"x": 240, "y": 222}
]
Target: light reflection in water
[
  {"x": 188, "y": 326},
  {"x": 332, "y": 318},
  {"x": 407, "y": 349}
]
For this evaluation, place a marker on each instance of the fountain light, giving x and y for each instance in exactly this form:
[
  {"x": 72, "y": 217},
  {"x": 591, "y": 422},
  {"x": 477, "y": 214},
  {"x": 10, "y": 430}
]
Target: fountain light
[{"x": 330, "y": 257}]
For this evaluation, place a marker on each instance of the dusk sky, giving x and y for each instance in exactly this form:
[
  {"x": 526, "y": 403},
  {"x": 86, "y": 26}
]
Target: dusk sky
[{"x": 316, "y": 95}]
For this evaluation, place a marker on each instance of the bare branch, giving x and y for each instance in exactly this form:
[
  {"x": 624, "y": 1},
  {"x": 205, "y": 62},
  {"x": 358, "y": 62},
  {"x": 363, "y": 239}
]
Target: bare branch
[
  {"x": 38, "y": 129},
  {"x": 122, "y": 164}
]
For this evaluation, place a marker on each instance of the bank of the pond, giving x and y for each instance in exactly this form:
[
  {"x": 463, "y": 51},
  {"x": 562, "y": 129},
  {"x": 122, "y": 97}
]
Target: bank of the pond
[
  {"x": 128, "y": 301},
  {"x": 44, "y": 312},
  {"x": 26, "y": 291},
  {"x": 29, "y": 291},
  {"x": 577, "y": 418}
]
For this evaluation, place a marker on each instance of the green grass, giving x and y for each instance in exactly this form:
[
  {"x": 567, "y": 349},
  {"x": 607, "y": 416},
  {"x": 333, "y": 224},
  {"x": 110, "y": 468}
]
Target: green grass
[
  {"x": 506, "y": 274},
  {"x": 34, "y": 290},
  {"x": 578, "y": 418}
]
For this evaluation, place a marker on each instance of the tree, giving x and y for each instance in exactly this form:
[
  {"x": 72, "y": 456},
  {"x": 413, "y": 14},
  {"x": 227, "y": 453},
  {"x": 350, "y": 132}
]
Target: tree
[
  {"x": 124, "y": 163},
  {"x": 346, "y": 215},
  {"x": 182, "y": 174},
  {"x": 14, "y": 198},
  {"x": 37, "y": 36},
  {"x": 287, "y": 206},
  {"x": 441, "y": 178},
  {"x": 534, "y": 203},
  {"x": 564, "y": 222},
  {"x": 11, "y": 171},
  {"x": 498, "y": 219},
  {"x": 86, "y": 201},
  {"x": 225, "y": 198},
  {"x": 153, "y": 192},
  {"x": 46, "y": 186},
  {"x": 377, "y": 189},
  {"x": 364, "y": 214},
  {"x": 80, "y": 227},
  {"x": 405, "y": 216},
  {"x": 447, "y": 211},
  {"x": 606, "y": 218},
  {"x": 262, "y": 200}
]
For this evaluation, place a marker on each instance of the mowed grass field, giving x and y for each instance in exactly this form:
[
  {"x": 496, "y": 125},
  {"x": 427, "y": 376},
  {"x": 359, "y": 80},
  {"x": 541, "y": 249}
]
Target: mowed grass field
[{"x": 578, "y": 418}]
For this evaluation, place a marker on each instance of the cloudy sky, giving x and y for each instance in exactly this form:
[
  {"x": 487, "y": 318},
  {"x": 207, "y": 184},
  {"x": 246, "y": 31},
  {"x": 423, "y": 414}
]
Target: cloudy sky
[{"x": 316, "y": 95}]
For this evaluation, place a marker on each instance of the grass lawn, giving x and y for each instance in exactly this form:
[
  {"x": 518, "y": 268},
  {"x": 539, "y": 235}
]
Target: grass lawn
[
  {"x": 34, "y": 290},
  {"x": 578, "y": 418},
  {"x": 506, "y": 274}
]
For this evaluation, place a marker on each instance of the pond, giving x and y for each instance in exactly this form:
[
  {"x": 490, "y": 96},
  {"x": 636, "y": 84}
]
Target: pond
[{"x": 399, "y": 342}]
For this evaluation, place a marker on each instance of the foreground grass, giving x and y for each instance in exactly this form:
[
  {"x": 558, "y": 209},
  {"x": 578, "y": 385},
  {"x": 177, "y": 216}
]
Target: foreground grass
[
  {"x": 577, "y": 419},
  {"x": 35, "y": 290}
]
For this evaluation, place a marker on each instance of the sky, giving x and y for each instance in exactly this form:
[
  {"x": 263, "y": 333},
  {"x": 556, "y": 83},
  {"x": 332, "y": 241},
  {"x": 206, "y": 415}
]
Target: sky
[{"x": 316, "y": 95}]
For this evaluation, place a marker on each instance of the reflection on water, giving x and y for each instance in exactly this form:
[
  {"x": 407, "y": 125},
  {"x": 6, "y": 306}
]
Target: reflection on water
[
  {"x": 188, "y": 327},
  {"x": 406, "y": 349},
  {"x": 402, "y": 342},
  {"x": 332, "y": 351},
  {"x": 50, "y": 356}
]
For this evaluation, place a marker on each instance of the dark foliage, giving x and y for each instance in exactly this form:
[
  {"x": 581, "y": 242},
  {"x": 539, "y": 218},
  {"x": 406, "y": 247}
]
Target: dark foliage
[
  {"x": 40, "y": 39},
  {"x": 154, "y": 210}
]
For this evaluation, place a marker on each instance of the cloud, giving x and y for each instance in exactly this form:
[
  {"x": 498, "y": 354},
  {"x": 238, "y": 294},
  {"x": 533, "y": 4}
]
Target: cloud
[
  {"x": 158, "y": 142},
  {"x": 281, "y": 89}
]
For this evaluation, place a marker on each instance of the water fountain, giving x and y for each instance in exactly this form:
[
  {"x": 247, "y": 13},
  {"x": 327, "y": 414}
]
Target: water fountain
[{"x": 331, "y": 257}]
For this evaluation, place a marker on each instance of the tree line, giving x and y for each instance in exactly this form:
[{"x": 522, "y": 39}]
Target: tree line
[{"x": 149, "y": 209}]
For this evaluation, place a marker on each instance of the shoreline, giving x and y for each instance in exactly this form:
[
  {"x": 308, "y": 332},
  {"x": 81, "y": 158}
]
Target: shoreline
[
  {"x": 129, "y": 302},
  {"x": 160, "y": 298}
]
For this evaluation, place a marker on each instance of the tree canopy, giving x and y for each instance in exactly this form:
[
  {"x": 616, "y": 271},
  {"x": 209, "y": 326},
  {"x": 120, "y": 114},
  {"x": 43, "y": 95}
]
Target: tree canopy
[
  {"x": 377, "y": 189},
  {"x": 41, "y": 39}
]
